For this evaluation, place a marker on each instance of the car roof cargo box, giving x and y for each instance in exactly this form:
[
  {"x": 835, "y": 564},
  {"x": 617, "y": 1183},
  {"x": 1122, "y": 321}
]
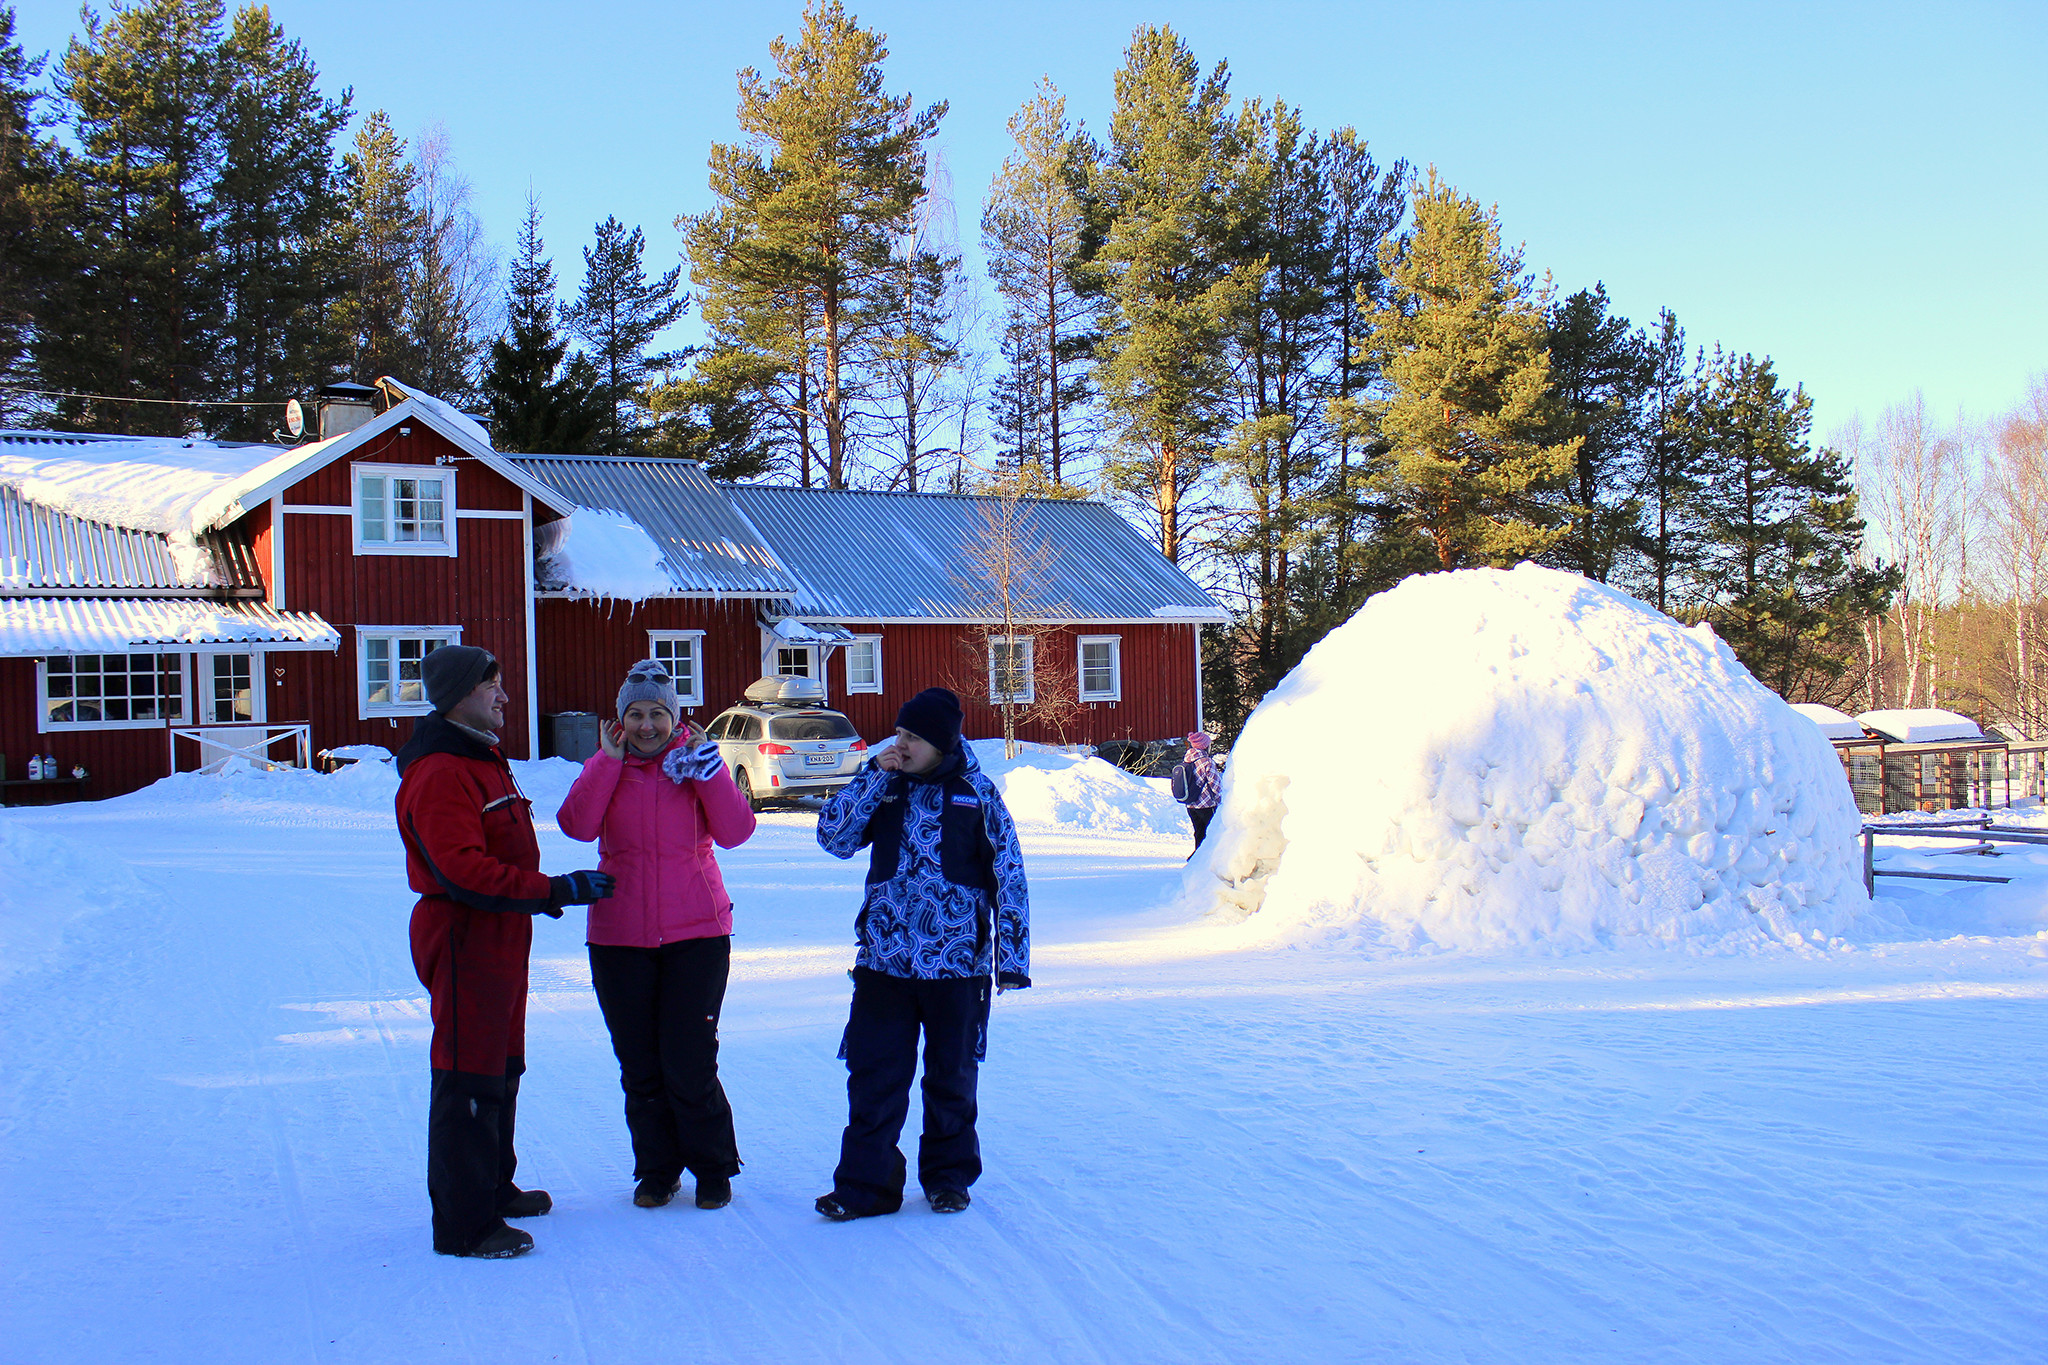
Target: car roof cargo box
[{"x": 773, "y": 691}]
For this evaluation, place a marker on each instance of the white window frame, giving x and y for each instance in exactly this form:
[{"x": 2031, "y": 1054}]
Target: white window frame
[
  {"x": 445, "y": 473},
  {"x": 1030, "y": 670},
  {"x": 846, "y": 654},
  {"x": 447, "y": 635},
  {"x": 695, "y": 695},
  {"x": 1115, "y": 691},
  {"x": 202, "y": 684},
  {"x": 46, "y": 726},
  {"x": 812, "y": 669}
]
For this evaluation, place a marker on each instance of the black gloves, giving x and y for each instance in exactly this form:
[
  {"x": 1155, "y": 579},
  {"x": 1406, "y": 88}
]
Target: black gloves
[{"x": 579, "y": 888}]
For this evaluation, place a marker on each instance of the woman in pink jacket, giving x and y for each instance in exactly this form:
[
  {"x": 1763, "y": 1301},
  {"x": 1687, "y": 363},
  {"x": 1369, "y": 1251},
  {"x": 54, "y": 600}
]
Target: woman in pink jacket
[{"x": 661, "y": 947}]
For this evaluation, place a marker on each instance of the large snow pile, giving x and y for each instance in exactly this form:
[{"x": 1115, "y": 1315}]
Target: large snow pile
[
  {"x": 1045, "y": 788},
  {"x": 597, "y": 552},
  {"x": 1487, "y": 758}
]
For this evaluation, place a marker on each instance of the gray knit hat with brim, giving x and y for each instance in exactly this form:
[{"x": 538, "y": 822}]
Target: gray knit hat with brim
[{"x": 648, "y": 680}]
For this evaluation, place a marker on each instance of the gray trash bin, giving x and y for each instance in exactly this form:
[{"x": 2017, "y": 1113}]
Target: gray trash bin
[{"x": 570, "y": 734}]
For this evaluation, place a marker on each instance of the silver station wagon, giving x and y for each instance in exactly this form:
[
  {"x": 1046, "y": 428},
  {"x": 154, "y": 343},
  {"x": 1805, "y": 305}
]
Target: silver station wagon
[{"x": 782, "y": 743}]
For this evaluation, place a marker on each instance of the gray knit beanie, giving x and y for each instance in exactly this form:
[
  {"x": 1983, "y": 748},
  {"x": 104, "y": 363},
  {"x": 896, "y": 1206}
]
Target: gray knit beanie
[{"x": 648, "y": 680}]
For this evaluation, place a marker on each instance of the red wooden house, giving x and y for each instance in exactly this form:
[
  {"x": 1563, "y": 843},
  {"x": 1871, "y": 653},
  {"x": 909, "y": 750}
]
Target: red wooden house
[{"x": 168, "y": 603}]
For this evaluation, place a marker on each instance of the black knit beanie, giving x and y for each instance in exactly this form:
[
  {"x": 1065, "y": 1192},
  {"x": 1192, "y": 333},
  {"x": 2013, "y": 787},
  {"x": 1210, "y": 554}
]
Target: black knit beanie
[
  {"x": 933, "y": 715},
  {"x": 452, "y": 672}
]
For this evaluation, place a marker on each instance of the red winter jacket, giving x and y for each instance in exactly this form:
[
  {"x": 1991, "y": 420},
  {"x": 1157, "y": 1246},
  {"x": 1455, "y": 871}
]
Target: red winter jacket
[{"x": 655, "y": 836}]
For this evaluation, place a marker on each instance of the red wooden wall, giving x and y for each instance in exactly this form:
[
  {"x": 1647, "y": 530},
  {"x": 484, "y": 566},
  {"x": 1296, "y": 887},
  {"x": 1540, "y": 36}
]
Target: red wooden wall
[
  {"x": 482, "y": 589},
  {"x": 116, "y": 760},
  {"x": 1158, "y": 681},
  {"x": 586, "y": 647}
]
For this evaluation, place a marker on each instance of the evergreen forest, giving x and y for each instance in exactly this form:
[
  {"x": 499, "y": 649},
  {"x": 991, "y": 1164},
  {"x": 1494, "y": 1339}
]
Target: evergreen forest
[{"x": 1305, "y": 367}]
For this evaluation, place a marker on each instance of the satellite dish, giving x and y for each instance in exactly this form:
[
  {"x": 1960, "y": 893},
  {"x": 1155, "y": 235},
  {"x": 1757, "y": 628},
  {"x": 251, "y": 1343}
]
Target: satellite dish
[{"x": 295, "y": 418}]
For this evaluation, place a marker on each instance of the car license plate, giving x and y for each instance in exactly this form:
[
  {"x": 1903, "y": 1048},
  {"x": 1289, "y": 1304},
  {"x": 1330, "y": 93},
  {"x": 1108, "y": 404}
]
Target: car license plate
[{"x": 821, "y": 760}]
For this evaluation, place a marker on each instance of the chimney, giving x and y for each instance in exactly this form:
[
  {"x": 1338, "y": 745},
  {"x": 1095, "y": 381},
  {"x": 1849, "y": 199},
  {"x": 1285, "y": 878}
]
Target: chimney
[{"x": 343, "y": 407}]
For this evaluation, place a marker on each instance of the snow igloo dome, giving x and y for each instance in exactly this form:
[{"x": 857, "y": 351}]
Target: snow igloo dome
[{"x": 1489, "y": 758}]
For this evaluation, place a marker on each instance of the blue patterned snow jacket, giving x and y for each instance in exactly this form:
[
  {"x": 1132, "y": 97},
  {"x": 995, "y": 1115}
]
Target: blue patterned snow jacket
[{"x": 914, "y": 921}]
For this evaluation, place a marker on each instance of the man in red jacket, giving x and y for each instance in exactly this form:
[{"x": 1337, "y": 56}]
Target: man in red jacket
[{"x": 471, "y": 853}]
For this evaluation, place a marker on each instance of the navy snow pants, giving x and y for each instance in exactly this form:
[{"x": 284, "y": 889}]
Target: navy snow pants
[{"x": 881, "y": 1060}]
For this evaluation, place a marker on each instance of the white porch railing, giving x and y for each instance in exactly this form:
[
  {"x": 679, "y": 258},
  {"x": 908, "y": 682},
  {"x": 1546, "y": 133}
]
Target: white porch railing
[{"x": 254, "y": 740}]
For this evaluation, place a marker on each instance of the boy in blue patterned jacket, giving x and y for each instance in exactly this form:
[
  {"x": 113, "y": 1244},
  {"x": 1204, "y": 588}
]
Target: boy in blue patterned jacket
[{"x": 946, "y": 908}]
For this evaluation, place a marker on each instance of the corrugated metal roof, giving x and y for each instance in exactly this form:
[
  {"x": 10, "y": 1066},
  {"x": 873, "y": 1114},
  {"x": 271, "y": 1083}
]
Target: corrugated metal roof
[
  {"x": 33, "y": 626},
  {"x": 706, "y": 546},
  {"x": 46, "y": 550},
  {"x": 905, "y": 556}
]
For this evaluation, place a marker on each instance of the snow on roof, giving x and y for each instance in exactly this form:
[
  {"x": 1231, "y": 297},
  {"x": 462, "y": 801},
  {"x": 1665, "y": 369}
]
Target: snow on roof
[
  {"x": 30, "y": 627},
  {"x": 1920, "y": 725},
  {"x": 1573, "y": 769},
  {"x": 440, "y": 407},
  {"x": 597, "y": 552},
  {"x": 1834, "y": 724}
]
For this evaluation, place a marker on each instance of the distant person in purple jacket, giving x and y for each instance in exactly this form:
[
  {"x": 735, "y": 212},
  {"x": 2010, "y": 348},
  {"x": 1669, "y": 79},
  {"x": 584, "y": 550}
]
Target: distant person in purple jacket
[
  {"x": 661, "y": 948},
  {"x": 1204, "y": 785}
]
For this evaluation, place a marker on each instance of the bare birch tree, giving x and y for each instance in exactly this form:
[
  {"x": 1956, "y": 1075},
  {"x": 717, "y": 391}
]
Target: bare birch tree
[
  {"x": 1916, "y": 481},
  {"x": 2014, "y": 559},
  {"x": 1012, "y": 580}
]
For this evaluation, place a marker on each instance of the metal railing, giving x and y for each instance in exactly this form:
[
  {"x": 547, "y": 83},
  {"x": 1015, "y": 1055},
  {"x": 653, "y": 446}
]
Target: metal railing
[
  {"x": 254, "y": 740},
  {"x": 1983, "y": 837}
]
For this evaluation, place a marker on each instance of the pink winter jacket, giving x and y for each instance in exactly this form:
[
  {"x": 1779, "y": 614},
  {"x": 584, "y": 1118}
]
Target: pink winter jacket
[{"x": 655, "y": 836}]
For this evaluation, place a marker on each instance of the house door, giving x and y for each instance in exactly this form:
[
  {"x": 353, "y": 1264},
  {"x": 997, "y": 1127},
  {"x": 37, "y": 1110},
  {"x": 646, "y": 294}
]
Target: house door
[{"x": 228, "y": 691}]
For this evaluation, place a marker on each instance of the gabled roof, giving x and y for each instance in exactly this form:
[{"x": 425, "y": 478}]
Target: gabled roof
[
  {"x": 904, "y": 557},
  {"x": 708, "y": 549}
]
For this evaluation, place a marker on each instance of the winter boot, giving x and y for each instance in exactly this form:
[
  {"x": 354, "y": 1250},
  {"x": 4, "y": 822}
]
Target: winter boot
[
  {"x": 525, "y": 1204},
  {"x": 948, "y": 1201},
  {"x": 500, "y": 1243},
  {"x": 714, "y": 1191},
  {"x": 654, "y": 1192},
  {"x": 837, "y": 1207}
]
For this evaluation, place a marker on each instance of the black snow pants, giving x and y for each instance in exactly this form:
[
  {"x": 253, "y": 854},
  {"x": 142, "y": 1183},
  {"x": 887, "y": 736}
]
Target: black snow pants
[
  {"x": 662, "y": 1006},
  {"x": 881, "y": 1061},
  {"x": 469, "y": 1153},
  {"x": 1199, "y": 817}
]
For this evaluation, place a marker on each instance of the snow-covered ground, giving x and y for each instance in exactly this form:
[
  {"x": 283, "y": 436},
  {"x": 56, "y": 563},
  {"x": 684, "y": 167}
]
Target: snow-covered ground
[{"x": 213, "y": 1085}]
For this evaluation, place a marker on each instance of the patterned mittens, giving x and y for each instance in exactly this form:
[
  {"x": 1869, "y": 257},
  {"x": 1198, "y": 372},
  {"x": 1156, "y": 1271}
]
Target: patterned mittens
[{"x": 694, "y": 764}]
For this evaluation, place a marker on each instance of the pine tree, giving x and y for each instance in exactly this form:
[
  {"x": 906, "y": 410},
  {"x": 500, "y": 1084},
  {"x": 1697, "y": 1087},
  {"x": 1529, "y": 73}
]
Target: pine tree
[
  {"x": 537, "y": 404},
  {"x": 1366, "y": 205},
  {"x": 32, "y": 273},
  {"x": 275, "y": 205},
  {"x": 795, "y": 265},
  {"x": 1780, "y": 580},
  {"x": 376, "y": 246},
  {"x": 1169, "y": 290},
  {"x": 1599, "y": 373},
  {"x": 618, "y": 314},
  {"x": 143, "y": 318},
  {"x": 1031, "y": 229},
  {"x": 1667, "y": 543},
  {"x": 1461, "y": 342}
]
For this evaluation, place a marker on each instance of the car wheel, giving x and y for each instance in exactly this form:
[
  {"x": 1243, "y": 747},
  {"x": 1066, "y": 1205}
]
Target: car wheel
[{"x": 746, "y": 786}]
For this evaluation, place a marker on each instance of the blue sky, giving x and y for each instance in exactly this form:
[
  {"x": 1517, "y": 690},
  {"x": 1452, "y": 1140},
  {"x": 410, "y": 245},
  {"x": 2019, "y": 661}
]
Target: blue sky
[{"x": 1859, "y": 191}]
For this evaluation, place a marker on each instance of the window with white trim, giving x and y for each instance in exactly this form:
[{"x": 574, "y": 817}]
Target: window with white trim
[
  {"x": 1010, "y": 669},
  {"x": 796, "y": 661},
  {"x": 111, "y": 691},
  {"x": 227, "y": 688},
  {"x": 405, "y": 509},
  {"x": 388, "y": 660},
  {"x": 683, "y": 652},
  {"x": 1098, "y": 666},
  {"x": 864, "y": 664}
]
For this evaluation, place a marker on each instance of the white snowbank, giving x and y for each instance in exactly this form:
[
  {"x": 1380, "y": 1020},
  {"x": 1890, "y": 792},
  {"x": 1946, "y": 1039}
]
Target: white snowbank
[
  {"x": 1045, "y": 788},
  {"x": 1921, "y": 725},
  {"x": 597, "y": 552},
  {"x": 1833, "y": 724},
  {"x": 1571, "y": 767}
]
